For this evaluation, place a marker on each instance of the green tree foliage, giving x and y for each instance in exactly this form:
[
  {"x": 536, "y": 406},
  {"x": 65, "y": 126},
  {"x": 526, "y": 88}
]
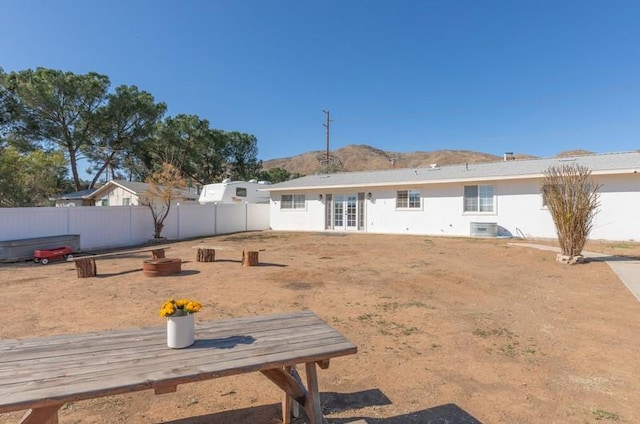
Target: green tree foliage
[
  {"x": 187, "y": 142},
  {"x": 203, "y": 154},
  {"x": 242, "y": 158},
  {"x": 59, "y": 108},
  {"x": 164, "y": 189},
  {"x": 572, "y": 199},
  {"x": 128, "y": 119},
  {"x": 30, "y": 178},
  {"x": 277, "y": 175},
  {"x": 116, "y": 132}
]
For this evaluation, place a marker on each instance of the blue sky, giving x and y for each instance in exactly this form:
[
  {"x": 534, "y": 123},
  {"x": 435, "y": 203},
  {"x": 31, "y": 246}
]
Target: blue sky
[{"x": 536, "y": 77}]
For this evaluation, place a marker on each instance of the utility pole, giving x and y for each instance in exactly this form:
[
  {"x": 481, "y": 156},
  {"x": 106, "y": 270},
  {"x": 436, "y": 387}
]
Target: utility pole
[{"x": 326, "y": 112}]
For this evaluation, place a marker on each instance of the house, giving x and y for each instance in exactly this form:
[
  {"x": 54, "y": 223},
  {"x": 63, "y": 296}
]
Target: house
[
  {"x": 77, "y": 198},
  {"x": 493, "y": 199},
  {"x": 129, "y": 193}
]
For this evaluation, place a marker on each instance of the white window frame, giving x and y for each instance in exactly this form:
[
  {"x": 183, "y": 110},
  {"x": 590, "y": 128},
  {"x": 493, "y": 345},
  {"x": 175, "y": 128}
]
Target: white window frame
[
  {"x": 293, "y": 202},
  {"x": 479, "y": 204},
  {"x": 410, "y": 198}
]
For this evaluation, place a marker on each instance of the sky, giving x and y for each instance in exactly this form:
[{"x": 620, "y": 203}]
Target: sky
[{"x": 535, "y": 77}]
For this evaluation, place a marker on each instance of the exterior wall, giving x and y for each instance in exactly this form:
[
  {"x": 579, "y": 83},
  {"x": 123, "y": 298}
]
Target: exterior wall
[
  {"x": 117, "y": 196},
  {"x": 130, "y": 226},
  {"x": 518, "y": 210},
  {"x": 311, "y": 218}
]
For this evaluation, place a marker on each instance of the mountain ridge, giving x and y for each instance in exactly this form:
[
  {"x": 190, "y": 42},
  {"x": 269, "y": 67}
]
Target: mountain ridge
[{"x": 362, "y": 157}]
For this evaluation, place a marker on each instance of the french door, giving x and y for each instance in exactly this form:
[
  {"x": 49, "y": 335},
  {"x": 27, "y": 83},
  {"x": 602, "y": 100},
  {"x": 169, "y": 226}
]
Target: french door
[{"x": 344, "y": 212}]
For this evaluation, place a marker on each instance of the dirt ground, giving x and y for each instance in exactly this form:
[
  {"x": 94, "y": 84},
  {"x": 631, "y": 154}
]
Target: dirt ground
[{"x": 453, "y": 330}]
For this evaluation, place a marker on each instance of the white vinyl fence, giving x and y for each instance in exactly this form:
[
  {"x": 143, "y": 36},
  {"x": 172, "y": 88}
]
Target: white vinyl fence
[{"x": 119, "y": 226}]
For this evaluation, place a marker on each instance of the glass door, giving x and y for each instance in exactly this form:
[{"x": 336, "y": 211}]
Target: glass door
[{"x": 351, "y": 212}]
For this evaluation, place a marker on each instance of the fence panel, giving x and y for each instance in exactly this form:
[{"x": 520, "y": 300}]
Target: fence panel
[
  {"x": 231, "y": 218},
  {"x": 119, "y": 226},
  {"x": 19, "y": 223},
  {"x": 258, "y": 216}
]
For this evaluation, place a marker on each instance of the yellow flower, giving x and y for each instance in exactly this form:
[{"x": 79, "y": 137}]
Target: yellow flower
[{"x": 179, "y": 307}]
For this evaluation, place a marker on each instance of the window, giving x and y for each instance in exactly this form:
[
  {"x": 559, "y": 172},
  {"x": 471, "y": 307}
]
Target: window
[
  {"x": 408, "y": 199},
  {"x": 126, "y": 201},
  {"x": 241, "y": 191},
  {"x": 478, "y": 198},
  {"x": 292, "y": 201}
]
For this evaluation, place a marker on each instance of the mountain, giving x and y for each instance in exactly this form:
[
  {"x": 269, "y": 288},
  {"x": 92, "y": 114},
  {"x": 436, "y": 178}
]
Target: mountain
[{"x": 367, "y": 158}]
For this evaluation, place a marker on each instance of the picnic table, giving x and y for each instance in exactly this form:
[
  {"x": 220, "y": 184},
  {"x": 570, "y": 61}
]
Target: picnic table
[{"x": 42, "y": 374}]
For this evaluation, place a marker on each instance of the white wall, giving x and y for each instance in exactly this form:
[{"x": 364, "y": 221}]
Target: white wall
[
  {"x": 130, "y": 225},
  {"x": 518, "y": 210},
  {"x": 311, "y": 218}
]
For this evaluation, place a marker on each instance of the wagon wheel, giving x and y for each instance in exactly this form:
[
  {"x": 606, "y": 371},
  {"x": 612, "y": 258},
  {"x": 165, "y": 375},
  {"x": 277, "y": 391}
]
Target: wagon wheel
[
  {"x": 36, "y": 260},
  {"x": 45, "y": 261},
  {"x": 69, "y": 256}
]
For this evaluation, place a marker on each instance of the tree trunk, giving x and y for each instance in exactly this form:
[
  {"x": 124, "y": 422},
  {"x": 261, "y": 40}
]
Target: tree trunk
[
  {"x": 249, "y": 258},
  {"x": 206, "y": 255},
  {"x": 157, "y": 253},
  {"x": 86, "y": 267}
]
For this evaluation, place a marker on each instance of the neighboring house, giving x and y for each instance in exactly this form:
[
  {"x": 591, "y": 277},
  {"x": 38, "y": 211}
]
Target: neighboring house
[
  {"x": 501, "y": 198},
  {"x": 78, "y": 198},
  {"x": 129, "y": 193}
]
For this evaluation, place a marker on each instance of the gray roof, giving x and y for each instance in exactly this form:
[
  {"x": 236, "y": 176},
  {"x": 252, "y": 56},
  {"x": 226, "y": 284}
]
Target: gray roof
[
  {"x": 139, "y": 188},
  {"x": 84, "y": 194},
  {"x": 600, "y": 164}
]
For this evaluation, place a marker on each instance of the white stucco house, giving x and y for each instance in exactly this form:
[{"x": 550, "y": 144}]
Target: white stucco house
[
  {"x": 128, "y": 193},
  {"x": 501, "y": 198}
]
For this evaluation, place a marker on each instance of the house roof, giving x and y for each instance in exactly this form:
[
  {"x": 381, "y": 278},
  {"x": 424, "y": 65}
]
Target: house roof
[
  {"x": 138, "y": 188},
  {"x": 599, "y": 164},
  {"x": 76, "y": 195}
]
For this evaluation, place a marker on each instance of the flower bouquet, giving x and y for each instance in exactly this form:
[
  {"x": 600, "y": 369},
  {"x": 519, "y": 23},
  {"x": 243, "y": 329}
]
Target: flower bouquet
[
  {"x": 180, "y": 325},
  {"x": 178, "y": 308}
]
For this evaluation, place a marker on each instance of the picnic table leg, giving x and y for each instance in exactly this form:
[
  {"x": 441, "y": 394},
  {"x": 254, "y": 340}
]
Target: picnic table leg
[
  {"x": 289, "y": 405},
  {"x": 313, "y": 408},
  {"x": 46, "y": 415}
]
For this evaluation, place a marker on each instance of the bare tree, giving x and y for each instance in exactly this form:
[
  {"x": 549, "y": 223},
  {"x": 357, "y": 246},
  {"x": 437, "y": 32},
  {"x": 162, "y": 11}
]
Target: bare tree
[
  {"x": 164, "y": 188},
  {"x": 572, "y": 198}
]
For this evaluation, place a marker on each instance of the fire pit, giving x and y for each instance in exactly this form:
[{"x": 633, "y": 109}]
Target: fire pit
[{"x": 161, "y": 267}]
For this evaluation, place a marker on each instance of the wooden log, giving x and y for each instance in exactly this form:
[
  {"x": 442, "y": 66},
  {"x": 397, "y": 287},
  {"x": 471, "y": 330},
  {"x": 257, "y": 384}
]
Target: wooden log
[
  {"x": 157, "y": 253},
  {"x": 206, "y": 255},
  {"x": 249, "y": 257},
  {"x": 86, "y": 267}
]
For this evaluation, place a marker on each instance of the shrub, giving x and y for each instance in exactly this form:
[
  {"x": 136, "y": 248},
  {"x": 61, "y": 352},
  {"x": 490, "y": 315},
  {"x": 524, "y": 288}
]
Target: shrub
[{"x": 572, "y": 199}]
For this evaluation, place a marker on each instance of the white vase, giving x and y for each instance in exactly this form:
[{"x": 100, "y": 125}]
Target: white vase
[{"x": 180, "y": 331}]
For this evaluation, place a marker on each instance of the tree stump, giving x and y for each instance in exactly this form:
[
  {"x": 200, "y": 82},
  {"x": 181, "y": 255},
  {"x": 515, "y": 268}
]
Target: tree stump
[
  {"x": 86, "y": 267},
  {"x": 206, "y": 255},
  {"x": 249, "y": 257},
  {"x": 157, "y": 253}
]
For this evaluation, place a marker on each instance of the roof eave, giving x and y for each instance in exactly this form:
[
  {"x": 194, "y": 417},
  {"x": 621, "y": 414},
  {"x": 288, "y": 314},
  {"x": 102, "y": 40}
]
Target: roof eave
[{"x": 443, "y": 181}]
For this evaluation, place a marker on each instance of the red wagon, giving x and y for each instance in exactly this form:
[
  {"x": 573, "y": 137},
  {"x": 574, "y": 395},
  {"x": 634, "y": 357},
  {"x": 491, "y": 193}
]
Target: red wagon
[{"x": 45, "y": 255}]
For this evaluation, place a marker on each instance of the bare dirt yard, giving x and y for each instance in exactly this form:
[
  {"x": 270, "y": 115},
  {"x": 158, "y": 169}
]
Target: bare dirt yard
[{"x": 452, "y": 330}]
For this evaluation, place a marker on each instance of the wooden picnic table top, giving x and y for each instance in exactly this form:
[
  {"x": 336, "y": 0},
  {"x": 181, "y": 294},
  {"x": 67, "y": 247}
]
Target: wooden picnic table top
[
  {"x": 48, "y": 371},
  {"x": 124, "y": 252}
]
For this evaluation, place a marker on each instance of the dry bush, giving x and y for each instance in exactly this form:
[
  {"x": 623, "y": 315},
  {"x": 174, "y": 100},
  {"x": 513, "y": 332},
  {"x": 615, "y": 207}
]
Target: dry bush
[
  {"x": 572, "y": 199},
  {"x": 164, "y": 188}
]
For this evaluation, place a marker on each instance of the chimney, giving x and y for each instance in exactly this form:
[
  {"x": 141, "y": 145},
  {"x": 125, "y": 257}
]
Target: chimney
[{"x": 509, "y": 156}]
